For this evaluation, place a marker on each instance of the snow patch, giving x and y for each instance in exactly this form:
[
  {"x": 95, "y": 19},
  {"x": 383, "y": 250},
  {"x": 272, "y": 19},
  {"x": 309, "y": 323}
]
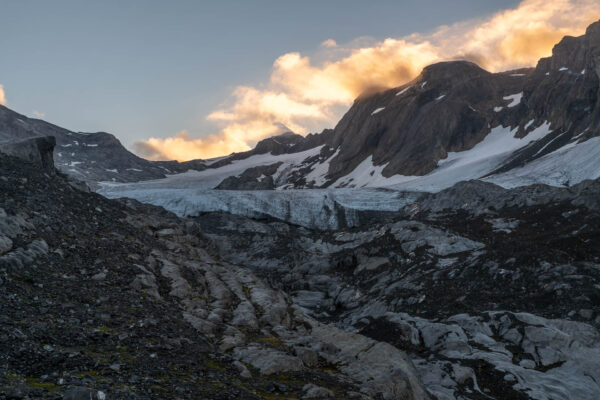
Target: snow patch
[
  {"x": 403, "y": 91},
  {"x": 527, "y": 125},
  {"x": 366, "y": 174},
  {"x": 515, "y": 99},
  {"x": 498, "y": 109},
  {"x": 319, "y": 173},
  {"x": 378, "y": 110},
  {"x": 440, "y": 97},
  {"x": 564, "y": 69}
]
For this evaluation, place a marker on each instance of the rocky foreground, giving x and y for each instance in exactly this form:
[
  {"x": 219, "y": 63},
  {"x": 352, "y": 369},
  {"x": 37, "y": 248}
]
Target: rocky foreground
[
  {"x": 475, "y": 292},
  {"x": 103, "y": 299},
  {"x": 493, "y": 293}
]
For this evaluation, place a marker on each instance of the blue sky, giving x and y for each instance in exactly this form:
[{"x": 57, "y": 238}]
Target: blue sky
[{"x": 142, "y": 69}]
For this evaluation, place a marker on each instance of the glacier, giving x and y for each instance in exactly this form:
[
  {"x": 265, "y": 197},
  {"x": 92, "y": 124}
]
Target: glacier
[{"x": 365, "y": 193}]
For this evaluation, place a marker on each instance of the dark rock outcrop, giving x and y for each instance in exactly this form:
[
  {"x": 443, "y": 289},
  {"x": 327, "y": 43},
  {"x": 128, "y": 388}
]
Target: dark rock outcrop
[
  {"x": 38, "y": 150},
  {"x": 257, "y": 178},
  {"x": 479, "y": 197},
  {"x": 278, "y": 144}
]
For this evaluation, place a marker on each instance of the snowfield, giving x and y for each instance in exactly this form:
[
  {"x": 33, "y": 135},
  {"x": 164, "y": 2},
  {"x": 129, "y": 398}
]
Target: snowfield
[{"x": 566, "y": 166}]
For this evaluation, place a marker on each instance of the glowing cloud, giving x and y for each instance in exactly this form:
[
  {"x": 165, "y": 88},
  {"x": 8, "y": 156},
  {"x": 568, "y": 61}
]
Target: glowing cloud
[
  {"x": 38, "y": 114},
  {"x": 183, "y": 147},
  {"x": 2, "y": 96},
  {"x": 307, "y": 97}
]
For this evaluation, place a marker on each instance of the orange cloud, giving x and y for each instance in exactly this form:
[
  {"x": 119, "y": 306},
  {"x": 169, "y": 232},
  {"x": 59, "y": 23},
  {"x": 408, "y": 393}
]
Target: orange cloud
[
  {"x": 308, "y": 97},
  {"x": 2, "y": 96},
  {"x": 183, "y": 147}
]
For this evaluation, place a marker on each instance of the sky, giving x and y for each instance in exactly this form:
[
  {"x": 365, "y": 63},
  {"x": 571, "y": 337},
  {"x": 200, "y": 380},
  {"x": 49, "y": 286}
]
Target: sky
[{"x": 198, "y": 79}]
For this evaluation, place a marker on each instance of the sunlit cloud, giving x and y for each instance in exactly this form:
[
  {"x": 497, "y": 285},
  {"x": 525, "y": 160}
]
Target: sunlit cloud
[
  {"x": 308, "y": 96},
  {"x": 38, "y": 114},
  {"x": 2, "y": 96},
  {"x": 184, "y": 147}
]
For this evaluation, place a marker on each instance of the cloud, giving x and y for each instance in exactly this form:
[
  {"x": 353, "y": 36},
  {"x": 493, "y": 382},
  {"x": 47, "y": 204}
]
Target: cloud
[
  {"x": 329, "y": 43},
  {"x": 2, "y": 96},
  {"x": 184, "y": 147},
  {"x": 38, "y": 114},
  {"x": 308, "y": 96}
]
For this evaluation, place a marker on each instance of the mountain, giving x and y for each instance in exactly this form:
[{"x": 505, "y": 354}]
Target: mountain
[
  {"x": 90, "y": 157},
  {"x": 453, "y": 106},
  {"x": 454, "y": 122}
]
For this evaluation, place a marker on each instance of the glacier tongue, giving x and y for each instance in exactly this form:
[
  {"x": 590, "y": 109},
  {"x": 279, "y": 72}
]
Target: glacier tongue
[{"x": 316, "y": 209}]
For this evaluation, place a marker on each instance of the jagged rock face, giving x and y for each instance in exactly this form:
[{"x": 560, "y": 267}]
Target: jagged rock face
[
  {"x": 477, "y": 197},
  {"x": 285, "y": 143},
  {"x": 564, "y": 89}
]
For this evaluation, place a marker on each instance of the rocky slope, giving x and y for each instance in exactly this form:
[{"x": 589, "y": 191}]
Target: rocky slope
[
  {"x": 90, "y": 157},
  {"x": 102, "y": 299}
]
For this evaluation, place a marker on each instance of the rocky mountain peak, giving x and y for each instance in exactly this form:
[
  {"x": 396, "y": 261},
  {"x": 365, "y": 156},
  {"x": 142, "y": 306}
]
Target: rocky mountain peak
[
  {"x": 453, "y": 71},
  {"x": 575, "y": 53},
  {"x": 277, "y": 144}
]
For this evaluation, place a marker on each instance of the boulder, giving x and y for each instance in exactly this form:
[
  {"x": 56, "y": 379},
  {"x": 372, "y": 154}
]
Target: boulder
[{"x": 38, "y": 150}]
